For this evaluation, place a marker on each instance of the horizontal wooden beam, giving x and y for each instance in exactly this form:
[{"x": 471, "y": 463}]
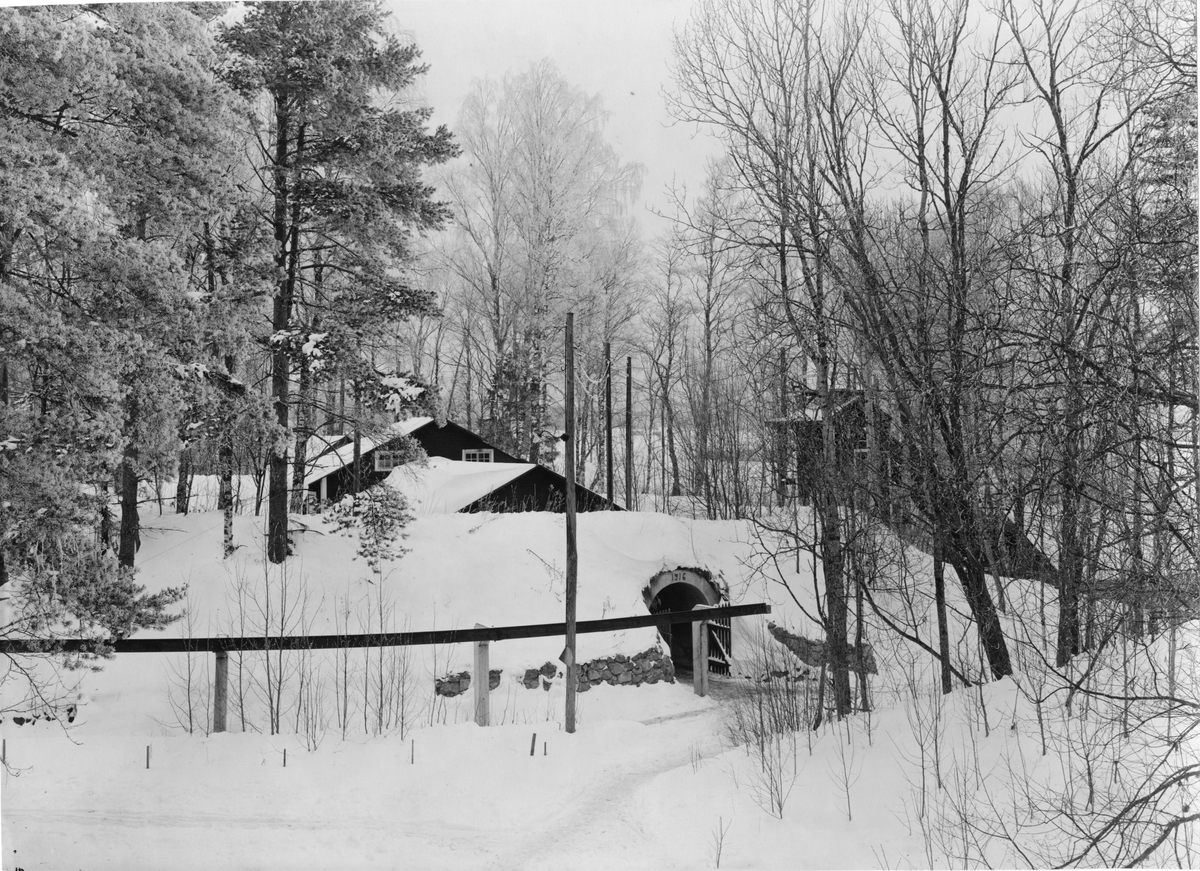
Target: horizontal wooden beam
[{"x": 385, "y": 639}]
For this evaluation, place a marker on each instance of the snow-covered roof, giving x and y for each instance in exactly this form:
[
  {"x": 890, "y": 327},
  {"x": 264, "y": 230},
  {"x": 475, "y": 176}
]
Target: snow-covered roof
[
  {"x": 813, "y": 413},
  {"x": 442, "y": 486},
  {"x": 343, "y": 456},
  {"x": 319, "y": 443}
]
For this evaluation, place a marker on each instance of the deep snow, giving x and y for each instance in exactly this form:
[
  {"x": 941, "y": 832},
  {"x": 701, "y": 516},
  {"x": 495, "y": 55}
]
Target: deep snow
[{"x": 650, "y": 780}]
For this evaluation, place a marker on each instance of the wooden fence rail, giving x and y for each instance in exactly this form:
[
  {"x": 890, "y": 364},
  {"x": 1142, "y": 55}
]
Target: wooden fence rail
[
  {"x": 217, "y": 644},
  {"x": 480, "y": 635}
]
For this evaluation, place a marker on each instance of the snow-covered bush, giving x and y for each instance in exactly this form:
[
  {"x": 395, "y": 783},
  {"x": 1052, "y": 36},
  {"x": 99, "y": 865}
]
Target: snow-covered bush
[{"x": 380, "y": 514}]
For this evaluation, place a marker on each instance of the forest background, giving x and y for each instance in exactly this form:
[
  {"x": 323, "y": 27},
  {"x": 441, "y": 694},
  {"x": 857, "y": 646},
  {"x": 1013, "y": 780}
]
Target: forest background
[{"x": 947, "y": 249}]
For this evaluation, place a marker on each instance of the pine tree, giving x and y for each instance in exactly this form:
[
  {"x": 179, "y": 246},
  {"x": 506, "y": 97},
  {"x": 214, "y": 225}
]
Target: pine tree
[
  {"x": 111, "y": 137},
  {"x": 341, "y": 166},
  {"x": 383, "y": 514}
]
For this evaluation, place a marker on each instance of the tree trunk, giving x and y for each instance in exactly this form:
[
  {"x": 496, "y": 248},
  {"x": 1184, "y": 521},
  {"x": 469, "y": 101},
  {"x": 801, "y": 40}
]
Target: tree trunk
[
  {"x": 130, "y": 527},
  {"x": 991, "y": 635},
  {"x": 651, "y": 416},
  {"x": 939, "y": 595},
  {"x": 669, "y": 410},
  {"x": 225, "y": 467},
  {"x": 629, "y": 494},
  {"x": 860, "y": 653},
  {"x": 260, "y": 475},
  {"x": 306, "y": 399},
  {"x": 1070, "y": 574},
  {"x": 467, "y": 341},
  {"x": 356, "y": 478},
  {"x": 287, "y": 238},
  {"x": 226, "y": 498},
  {"x": 105, "y": 519},
  {"x": 183, "y": 486},
  {"x": 833, "y": 565}
]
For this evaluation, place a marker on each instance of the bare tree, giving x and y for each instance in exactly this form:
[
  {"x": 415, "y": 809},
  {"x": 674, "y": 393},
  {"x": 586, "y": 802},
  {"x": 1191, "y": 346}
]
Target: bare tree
[{"x": 539, "y": 209}]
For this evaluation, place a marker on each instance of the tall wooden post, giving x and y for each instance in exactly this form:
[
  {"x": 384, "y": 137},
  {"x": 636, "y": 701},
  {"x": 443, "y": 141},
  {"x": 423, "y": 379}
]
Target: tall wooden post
[
  {"x": 572, "y": 555},
  {"x": 608, "y": 422},
  {"x": 700, "y": 656},
  {"x": 482, "y": 681},
  {"x": 220, "y": 691},
  {"x": 629, "y": 506}
]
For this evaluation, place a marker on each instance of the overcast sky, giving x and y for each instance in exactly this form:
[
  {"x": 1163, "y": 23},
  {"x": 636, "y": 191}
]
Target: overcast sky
[{"x": 619, "y": 49}]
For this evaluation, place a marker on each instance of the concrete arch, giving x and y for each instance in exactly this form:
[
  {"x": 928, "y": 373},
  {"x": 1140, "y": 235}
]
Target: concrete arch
[
  {"x": 680, "y": 590},
  {"x": 709, "y": 591}
]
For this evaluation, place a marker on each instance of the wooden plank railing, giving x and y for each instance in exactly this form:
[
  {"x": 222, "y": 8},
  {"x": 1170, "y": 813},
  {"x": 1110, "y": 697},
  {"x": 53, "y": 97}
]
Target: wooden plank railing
[
  {"x": 215, "y": 644},
  {"x": 480, "y": 635}
]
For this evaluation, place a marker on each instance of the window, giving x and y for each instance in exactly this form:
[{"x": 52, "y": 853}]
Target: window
[
  {"x": 385, "y": 461},
  {"x": 482, "y": 455}
]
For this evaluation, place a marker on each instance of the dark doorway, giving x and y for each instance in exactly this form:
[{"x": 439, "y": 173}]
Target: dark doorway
[{"x": 678, "y": 597}]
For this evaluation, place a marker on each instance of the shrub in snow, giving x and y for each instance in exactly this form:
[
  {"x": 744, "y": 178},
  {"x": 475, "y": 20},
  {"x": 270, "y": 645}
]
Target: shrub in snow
[{"x": 380, "y": 514}]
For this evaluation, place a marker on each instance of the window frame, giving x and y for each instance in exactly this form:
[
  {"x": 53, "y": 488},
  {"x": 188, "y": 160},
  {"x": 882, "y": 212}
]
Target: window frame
[
  {"x": 392, "y": 458},
  {"x": 488, "y": 452}
]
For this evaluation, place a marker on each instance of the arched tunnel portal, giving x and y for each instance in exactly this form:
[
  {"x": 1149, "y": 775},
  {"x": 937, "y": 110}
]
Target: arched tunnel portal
[{"x": 680, "y": 590}]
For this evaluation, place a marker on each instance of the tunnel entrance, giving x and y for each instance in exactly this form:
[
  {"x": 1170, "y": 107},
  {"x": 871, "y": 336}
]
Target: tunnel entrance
[
  {"x": 678, "y": 597},
  {"x": 683, "y": 590}
]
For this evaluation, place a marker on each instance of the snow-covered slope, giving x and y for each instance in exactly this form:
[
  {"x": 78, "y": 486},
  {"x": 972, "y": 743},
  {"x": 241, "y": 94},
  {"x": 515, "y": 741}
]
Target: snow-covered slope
[
  {"x": 459, "y": 570},
  {"x": 655, "y": 777}
]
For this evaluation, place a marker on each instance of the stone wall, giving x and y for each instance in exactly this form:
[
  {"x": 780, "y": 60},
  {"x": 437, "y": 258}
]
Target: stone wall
[
  {"x": 812, "y": 653},
  {"x": 543, "y": 675},
  {"x": 649, "y": 666},
  {"x": 457, "y": 684}
]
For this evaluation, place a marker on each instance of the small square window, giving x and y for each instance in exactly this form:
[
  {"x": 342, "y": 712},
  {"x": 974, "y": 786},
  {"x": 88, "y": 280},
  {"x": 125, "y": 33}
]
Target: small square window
[
  {"x": 385, "y": 461},
  {"x": 481, "y": 455}
]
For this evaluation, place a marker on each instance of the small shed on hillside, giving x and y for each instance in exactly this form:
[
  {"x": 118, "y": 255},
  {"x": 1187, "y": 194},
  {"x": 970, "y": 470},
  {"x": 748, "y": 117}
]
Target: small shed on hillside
[
  {"x": 800, "y": 447},
  {"x": 508, "y": 484}
]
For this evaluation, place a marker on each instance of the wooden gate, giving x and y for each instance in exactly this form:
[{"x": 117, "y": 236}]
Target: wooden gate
[
  {"x": 720, "y": 640},
  {"x": 720, "y": 645},
  {"x": 720, "y": 631}
]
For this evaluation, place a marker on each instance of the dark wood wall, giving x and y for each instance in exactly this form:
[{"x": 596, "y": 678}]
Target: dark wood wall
[
  {"x": 451, "y": 440},
  {"x": 539, "y": 489}
]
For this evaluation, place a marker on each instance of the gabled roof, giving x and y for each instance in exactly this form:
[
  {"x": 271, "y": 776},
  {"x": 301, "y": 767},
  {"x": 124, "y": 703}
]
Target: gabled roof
[
  {"x": 442, "y": 486},
  {"x": 813, "y": 412},
  {"x": 341, "y": 454}
]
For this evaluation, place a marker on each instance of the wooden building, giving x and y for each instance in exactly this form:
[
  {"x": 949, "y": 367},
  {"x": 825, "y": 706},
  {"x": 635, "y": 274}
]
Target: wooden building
[
  {"x": 869, "y": 463},
  {"x": 866, "y": 451},
  {"x": 515, "y": 485}
]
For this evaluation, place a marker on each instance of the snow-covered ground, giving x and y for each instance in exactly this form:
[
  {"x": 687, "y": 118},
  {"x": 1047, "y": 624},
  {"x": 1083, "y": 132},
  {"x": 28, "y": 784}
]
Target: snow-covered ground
[{"x": 655, "y": 777}]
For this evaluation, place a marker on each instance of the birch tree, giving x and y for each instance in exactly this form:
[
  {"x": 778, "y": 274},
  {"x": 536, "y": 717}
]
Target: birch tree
[{"x": 540, "y": 217}]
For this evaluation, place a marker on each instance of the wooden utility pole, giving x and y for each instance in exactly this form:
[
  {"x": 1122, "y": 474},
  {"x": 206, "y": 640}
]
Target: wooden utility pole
[
  {"x": 220, "y": 691},
  {"x": 608, "y": 421},
  {"x": 568, "y": 656},
  {"x": 629, "y": 506}
]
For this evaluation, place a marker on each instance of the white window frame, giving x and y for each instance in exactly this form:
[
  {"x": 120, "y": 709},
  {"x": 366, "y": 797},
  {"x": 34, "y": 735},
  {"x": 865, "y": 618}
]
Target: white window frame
[
  {"x": 478, "y": 455},
  {"x": 385, "y": 461}
]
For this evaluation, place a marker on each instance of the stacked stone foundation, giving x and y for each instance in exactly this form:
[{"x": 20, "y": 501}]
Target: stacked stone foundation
[{"x": 648, "y": 667}]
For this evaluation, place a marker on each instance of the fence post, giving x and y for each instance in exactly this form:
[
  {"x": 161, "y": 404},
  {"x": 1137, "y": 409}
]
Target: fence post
[
  {"x": 482, "y": 680},
  {"x": 700, "y": 655},
  {"x": 220, "y": 691}
]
